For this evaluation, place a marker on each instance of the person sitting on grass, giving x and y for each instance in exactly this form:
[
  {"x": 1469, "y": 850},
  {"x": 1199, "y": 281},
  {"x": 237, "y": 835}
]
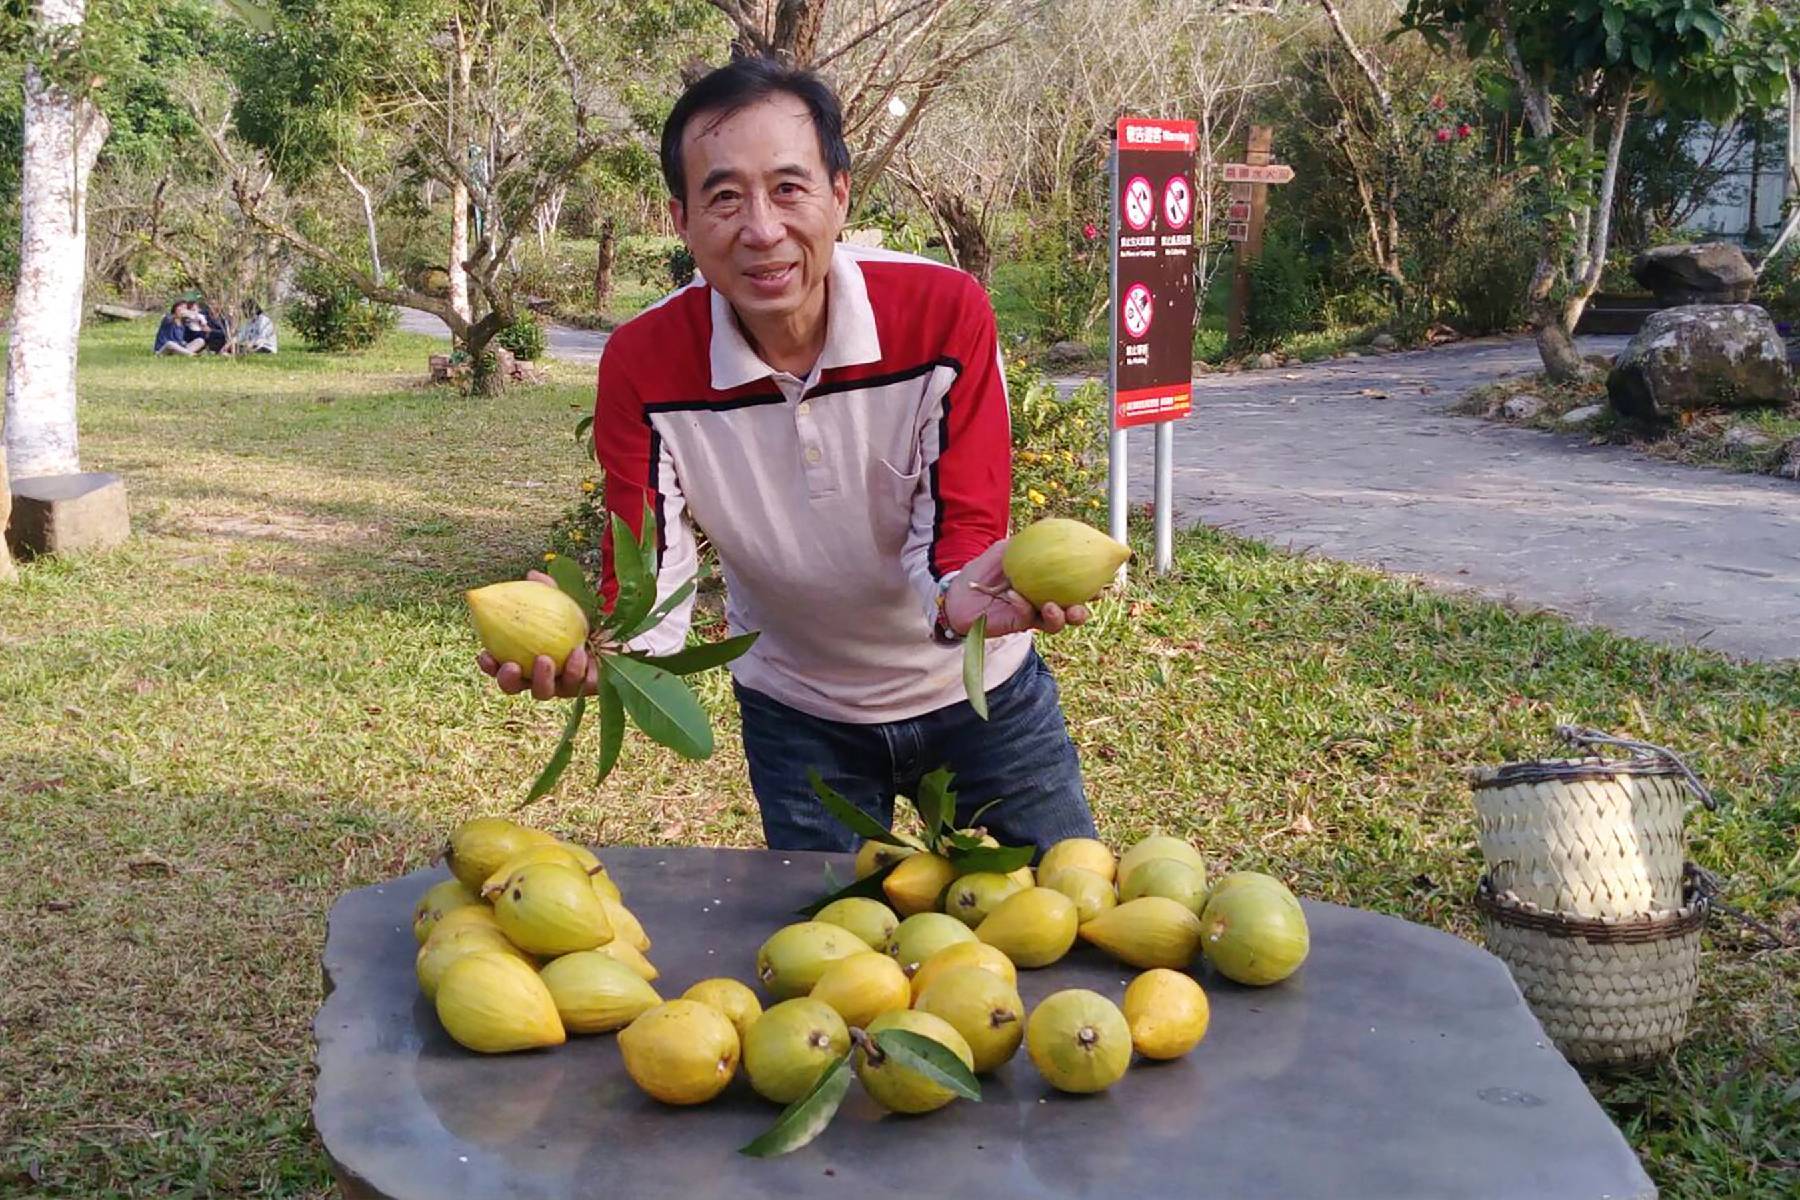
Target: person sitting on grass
[
  {"x": 180, "y": 331},
  {"x": 258, "y": 334}
]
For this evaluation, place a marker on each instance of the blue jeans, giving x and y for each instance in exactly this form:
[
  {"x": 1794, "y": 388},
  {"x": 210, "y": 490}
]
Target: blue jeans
[{"x": 1021, "y": 755}]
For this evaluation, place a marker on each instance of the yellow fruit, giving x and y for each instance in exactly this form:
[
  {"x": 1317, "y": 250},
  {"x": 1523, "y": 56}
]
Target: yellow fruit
[
  {"x": 915, "y": 885},
  {"x": 872, "y": 856},
  {"x": 973, "y": 896},
  {"x": 981, "y": 1006},
  {"x": 555, "y": 852},
  {"x": 901, "y": 1089},
  {"x": 1151, "y": 931},
  {"x": 1079, "y": 1041},
  {"x": 680, "y": 1052},
  {"x": 596, "y": 994},
  {"x": 870, "y": 920},
  {"x": 922, "y": 935},
  {"x": 1253, "y": 930},
  {"x": 436, "y": 955},
  {"x": 481, "y": 846},
  {"x": 439, "y": 898},
  {"x": 1087, "y": 853},
  {"x": 550, "y": 908},
  {"x": 1092, "y": 895},
  {"x": 604, "y": 887},
  {"x": 494, "y": 1003},
  {"x": 590, "y": 862},
  {"x": 519, "y": 620},
  {"x": 1025, "y": 877},
  {"x": 632, "y": 957},
  {"x": 863, "y": 986},
  {"x": 469, "y": 915},
  {"x": 625, "y": 925},
  {"x": 791, "y": 1046},
  {"x": 1168, "y": 1013},
  {"x": 1154, "y": 847},
  {"x": 1034, "y": 928},
  {"x": 1061, "y": 561},
  {"x": 734, "y": 999},
  {"x": 791, "y": 961},
  {"x": 963, "y": 954},
  {"x": 1170, "y": 878}
]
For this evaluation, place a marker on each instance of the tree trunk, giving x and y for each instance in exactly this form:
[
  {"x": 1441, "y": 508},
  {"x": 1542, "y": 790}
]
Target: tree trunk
[
  {"x": 459, "y": 191},
  {"x": 368, "y": 207},
  {"x": 968, "y": 240},
  {"x": 603, "y": 265},
  {"x": 8, "y": 572},
  {"x": 63, "y": 136},
  {"x": 797, "y": 24},
  {"x": 484, "y": 380}
]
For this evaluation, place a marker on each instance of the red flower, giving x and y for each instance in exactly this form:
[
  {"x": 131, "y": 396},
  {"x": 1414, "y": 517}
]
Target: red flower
[
  {"x": 1443, "y": 135},
  {"x": 1090, "y": 231},
  {"x": 1463, "y": 130}
]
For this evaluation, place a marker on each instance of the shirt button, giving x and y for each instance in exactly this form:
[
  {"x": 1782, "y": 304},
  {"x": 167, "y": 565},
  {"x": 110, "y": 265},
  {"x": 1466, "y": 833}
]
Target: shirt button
[
  {"x": 804, "y": 407},
  {"x": 813, "y": 455}
]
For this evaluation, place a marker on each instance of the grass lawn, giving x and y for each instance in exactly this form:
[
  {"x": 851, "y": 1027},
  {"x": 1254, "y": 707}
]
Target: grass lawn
[{"x": 268, "y": 698}]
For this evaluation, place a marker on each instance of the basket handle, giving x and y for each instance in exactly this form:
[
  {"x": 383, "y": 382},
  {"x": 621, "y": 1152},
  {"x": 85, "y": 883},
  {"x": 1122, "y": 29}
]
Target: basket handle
[{"x": 1575, "y": 735}]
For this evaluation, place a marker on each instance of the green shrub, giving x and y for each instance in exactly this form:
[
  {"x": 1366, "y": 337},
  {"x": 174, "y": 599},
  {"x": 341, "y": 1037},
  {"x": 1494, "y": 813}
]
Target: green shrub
[
  {"x": 1059, "y": 447},
  {"x": 1779, "y": 288},
  {"x": 1284, "y": 295},
  {"x": 524, "y": 337},
  {"x": 1488, "y": 272},
  {"x": 330, "y": 314}
]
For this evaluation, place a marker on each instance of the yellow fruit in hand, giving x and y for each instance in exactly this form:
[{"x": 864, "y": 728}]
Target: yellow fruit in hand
[
  {"x": 734, "y": 999},
  {"x": 863, "y": 986},
  {"x": 519, "y": 620},
  {"x": 1079, "y": 1040},
  {"x": 680, "y": 1052},
  {"x": 1061, "y": 561},
  {"x": 495, "y": 1003},
  {"x": 1168, "y": 1013}
]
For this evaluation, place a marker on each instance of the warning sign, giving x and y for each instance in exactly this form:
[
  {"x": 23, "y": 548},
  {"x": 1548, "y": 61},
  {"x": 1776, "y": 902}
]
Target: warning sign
[{"x": 1153, "y": 256}]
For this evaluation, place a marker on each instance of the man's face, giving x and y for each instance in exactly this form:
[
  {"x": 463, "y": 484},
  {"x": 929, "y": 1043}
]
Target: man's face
[{"x": 760, "y": 214}]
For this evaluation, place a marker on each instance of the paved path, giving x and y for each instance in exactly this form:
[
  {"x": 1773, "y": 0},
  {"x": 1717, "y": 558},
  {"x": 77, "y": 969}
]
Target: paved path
[
  {"x": 570, "y": 345},
  {"x": 1305, "y": 458}
]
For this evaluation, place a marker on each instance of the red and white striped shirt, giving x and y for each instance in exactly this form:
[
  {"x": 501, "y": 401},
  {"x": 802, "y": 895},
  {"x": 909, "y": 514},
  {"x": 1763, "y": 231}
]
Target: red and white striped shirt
[{"x": 835, "y": 502}]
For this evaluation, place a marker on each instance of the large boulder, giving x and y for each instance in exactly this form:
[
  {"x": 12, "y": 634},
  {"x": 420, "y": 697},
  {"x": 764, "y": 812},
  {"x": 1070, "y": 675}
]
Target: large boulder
[
  {"x": 1697, "y": 273},
  {"x": 1701, "y": 356}
]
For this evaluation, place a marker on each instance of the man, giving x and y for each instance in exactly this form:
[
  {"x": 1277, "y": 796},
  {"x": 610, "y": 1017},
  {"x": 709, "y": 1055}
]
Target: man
[{"x": 835, "y": 419}]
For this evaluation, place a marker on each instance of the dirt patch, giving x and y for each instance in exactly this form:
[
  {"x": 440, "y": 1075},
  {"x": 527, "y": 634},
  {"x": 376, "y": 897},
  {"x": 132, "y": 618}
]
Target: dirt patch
[{"x": 281, "y": 527}]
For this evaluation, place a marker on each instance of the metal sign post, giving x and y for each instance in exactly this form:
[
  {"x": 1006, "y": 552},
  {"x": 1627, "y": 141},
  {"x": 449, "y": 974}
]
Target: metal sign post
[{"x": 1151, "y": 365}]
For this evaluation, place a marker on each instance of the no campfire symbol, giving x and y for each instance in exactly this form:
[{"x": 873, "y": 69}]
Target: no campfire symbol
[
  {"x": 1140, "y": 204},
  {"x": 1178, "y": 203},
  {"x": 1139, "y": 308}
]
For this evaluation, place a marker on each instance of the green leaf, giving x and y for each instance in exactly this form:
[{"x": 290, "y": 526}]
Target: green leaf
[
  {"x": 571, "y": 582},
  {"x": 612, "y": 723},
  {"x": 998, "y": 859},
  {"x": 957, "y": 840},
  {"x": 705, "y": 656},
  {"x": 975, "y": 821},
  {"x": 934, "y": 1060},
  {"x": 660, "y": 611},
  {"x": 584, "y": 432},
  {"x": 1614, "y": 21},
  {"x": 662, "y": 706},
  {"x": 936, "y": 804},
  {"x": 975, "y": 666},
  {"x": 637, "y": 586},
  {"x": 848, "y": 815},
  {"x": 868, "y": 885},
  {"x": 559, "y": 758},
  {"x": 807, "y": 1117}
]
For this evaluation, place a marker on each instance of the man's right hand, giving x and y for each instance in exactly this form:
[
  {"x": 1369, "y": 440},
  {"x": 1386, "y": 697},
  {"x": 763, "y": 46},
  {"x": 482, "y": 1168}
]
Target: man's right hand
[{"x": 580, "y": 674}]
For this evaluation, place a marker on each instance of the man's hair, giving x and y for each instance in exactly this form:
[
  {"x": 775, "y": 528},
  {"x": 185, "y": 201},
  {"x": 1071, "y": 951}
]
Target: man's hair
[{"x": 735, "y": 87}]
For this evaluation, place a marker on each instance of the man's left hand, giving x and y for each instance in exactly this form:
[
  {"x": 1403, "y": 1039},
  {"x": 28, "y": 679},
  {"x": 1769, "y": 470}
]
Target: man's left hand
[{"x": 982, "y": 588}]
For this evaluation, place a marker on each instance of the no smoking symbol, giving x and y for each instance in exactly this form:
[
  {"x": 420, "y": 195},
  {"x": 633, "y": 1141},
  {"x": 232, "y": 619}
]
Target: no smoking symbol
[
  {"x": 1178, "y": 203},
  {"x": 1139, "y": 307},
  {"x": 1140, "y": 202}
]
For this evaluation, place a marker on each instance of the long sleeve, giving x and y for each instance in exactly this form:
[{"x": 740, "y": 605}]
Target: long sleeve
[
  {"x": 638, "y": 471},
  {"x": 965, "y": 443}
]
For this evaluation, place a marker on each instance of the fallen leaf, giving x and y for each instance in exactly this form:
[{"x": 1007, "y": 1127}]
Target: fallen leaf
[
  {"x": 146, "y": 865},
  {"x": 40, "y": 785}
]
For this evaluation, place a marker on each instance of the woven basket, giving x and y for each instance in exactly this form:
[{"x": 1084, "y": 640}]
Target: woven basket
[
  {"x": 1592, "y": 837},
  {"x": 1607, "y": 991}
]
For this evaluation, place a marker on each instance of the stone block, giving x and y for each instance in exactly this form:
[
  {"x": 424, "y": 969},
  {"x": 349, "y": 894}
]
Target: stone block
[{"x": 62, "y": 514}]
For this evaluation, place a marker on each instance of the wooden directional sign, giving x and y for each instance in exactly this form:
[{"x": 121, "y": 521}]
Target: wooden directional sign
[
  {"x": 1258, "y": 173},
  {"x": 1237, "y": 231},
  {"x": 1238, "y": 211},
  {"x": 1243, "y": 191}
]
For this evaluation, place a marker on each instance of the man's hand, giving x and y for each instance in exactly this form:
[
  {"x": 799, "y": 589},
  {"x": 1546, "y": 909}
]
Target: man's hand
[
  {"x": 580, "y": 674},
  {"x": 982, "y": 587}
]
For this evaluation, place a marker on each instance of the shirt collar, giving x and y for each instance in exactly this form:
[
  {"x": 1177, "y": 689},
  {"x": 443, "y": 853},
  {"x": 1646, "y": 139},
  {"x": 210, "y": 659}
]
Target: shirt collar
[{"x": 850, "y": 335}]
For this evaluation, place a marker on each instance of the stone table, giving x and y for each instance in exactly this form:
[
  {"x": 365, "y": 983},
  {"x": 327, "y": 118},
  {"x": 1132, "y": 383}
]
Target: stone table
[{"x": 1399, "y": 1064}]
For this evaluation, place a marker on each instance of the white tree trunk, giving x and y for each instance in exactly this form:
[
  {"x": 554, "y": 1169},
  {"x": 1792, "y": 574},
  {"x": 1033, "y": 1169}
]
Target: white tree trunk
[
  {"x": 459, "y": 191},
  {"x": 63, "y": 136}
]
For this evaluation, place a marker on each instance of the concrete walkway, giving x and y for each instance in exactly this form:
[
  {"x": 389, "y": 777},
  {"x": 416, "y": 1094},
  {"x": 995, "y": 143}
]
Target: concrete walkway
[{"x": 1356, "y": 459}]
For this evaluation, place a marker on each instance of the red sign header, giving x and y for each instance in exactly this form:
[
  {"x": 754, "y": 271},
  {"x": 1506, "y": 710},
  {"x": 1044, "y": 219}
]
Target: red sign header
[{"x": 1147, "y": 133}]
